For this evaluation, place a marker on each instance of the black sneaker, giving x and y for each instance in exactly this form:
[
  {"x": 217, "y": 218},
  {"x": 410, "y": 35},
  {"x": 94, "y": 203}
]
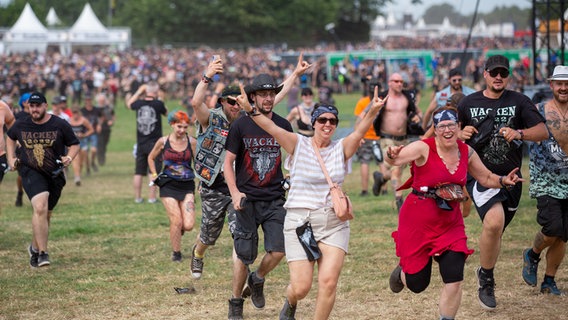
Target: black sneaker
[
  {"x": 399, "y": 202},
  {"x": 196, "y": 265},
  {"x": 19, "y": 199},
  {"x": 43, "y": 259},
  {"x": 256, "y": 290},
  {"x": 236, "y": 309},
  {"x": 33, "y": 257},
  {"x": 395, "y": 283},
  {"x": 364, "y": 193},
  {"x": 486, "y": 291},
  {"x": 288, "y": 311},
  {"x": 176, "y": 256},
  {"x": 377, "y": 183}
]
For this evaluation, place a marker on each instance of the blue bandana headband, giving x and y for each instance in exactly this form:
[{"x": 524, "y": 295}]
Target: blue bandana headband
[
  {"x": 324, "y": 109},
  {"x": 445, "y": 115}
]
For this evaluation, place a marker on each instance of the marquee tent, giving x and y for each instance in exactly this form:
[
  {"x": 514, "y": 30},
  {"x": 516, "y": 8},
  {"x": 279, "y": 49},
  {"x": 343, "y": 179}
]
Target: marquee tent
[{"x": 27, "y": 34}]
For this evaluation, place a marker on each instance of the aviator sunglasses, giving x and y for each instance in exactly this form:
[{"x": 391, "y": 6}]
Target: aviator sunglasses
[
  {"x": 323, "y": 120},
  {"x": 504, "y": 73}
]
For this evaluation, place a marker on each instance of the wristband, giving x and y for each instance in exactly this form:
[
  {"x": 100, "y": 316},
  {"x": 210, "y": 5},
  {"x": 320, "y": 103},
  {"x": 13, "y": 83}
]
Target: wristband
[
  {"x": 206, "y": 79},
  {"x": 501, "y": 182},
  {"x": 253, "y": 112},
  {"x": 154, "y": 175}
]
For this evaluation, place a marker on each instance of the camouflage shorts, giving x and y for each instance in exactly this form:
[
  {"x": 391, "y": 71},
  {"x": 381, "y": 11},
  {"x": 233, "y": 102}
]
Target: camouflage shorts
[{"x": 214, "y": 207}]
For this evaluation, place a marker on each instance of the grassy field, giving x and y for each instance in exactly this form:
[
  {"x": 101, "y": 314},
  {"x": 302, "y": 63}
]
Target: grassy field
[{"x": 111, "y": 258}]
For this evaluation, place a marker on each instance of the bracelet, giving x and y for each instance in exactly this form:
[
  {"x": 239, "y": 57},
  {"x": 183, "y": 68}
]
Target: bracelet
[
  {"x": 206, "y": 79},
  {"x": 501, "y": 182},
  {"x": 154, "y": 174}
]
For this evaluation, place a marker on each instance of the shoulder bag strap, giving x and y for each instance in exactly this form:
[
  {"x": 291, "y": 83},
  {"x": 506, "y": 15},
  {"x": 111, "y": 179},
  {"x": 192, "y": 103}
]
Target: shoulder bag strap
[{"x": 322, "y": 164}]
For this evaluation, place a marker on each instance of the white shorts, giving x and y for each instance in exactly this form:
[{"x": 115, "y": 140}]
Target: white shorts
[{"x": 327, "y": 229}]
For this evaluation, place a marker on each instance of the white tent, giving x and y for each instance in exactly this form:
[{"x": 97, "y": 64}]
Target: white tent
[
  {"x": 52, "y": 19},
  {"x": 27, "y": 34},
  {"x": 88, "y": 28}
]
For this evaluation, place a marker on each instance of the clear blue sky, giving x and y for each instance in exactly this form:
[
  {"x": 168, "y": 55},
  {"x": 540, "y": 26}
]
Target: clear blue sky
[{"x": 465, "y": 6}]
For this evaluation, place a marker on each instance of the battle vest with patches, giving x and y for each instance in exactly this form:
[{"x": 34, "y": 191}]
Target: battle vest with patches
[{"x": 210, "y": 150}]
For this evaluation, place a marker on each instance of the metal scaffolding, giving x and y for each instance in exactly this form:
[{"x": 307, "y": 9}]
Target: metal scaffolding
[{"x": 548, "y": 15}]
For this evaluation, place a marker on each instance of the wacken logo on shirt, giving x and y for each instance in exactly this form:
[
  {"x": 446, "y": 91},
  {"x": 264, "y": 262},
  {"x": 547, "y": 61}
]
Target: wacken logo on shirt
[
  {"x": 38, "y": 141},
  {"x": 500, "y": 112},
  {"x": 264, "y": 153}
]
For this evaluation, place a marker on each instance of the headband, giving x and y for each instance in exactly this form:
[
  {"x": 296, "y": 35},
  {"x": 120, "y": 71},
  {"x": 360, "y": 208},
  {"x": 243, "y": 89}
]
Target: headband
[
  {"x": 445, "y": 115},
  {"x": 324, "y": 109}
]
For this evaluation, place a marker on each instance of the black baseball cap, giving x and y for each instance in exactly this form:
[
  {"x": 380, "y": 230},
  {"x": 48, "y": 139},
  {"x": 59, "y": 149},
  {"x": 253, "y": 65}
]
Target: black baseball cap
[
  {"x": 497, "y": 61},
  {"x": 37, "y": 97}
]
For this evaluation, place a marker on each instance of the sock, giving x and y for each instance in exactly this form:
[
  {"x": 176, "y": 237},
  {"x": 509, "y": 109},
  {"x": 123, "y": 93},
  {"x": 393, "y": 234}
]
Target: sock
[
  {"x": 533, "y": 255},
  {"x": 548, "y": 279},
  {"x": 487, "y": 273},
  {"x": 256, "y": 278},
  {"x": 197, "y": 255}
]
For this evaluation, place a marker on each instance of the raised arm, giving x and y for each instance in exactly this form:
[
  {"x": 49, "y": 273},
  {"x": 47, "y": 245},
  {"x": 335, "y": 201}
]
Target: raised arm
[
  {"x": 136, "y": 96},
  {"x": 351, "y": 142},
  {"x": 286, "y": 139},
  {"x": 198, "y": 101},
  {"x": 301, "y": 67},
  {"x": 428, "y": 114}
]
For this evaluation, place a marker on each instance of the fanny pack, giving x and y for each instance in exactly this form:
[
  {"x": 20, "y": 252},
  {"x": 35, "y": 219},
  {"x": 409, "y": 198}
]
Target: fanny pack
[{"x": 443, "y": 194}]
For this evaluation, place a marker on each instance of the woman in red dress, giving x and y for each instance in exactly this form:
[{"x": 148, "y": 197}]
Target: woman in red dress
[{"x": 430, "y": 225}]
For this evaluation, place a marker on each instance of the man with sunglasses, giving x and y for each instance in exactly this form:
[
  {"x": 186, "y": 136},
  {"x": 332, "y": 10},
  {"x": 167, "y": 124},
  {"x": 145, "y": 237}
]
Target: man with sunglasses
[
  {"x": 549, "y": 172},
  {"x": 391, "y": 125},
  {"x": 254, "y": 176},
  {"x": 504, "y": 117},
  {"x": 455, "y": 78},
  {"x": 212, "y": 130}
]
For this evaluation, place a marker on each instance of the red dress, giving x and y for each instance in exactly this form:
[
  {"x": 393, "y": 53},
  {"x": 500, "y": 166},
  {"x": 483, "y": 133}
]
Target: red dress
[{"x": 424, "y": 230}]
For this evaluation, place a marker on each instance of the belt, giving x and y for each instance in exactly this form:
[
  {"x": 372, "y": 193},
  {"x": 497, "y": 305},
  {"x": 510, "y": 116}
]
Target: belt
[
  {"x": 395, "y": 138},
  {"x": 427, "y": 194}
]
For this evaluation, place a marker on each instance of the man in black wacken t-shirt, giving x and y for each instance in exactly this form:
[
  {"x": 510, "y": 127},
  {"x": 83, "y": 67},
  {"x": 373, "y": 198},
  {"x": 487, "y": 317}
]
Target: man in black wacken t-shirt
[
  {"x": 148, "y": 131},
  {"x": 48, "y": 144},
  {"x": 494, "y": 122},
  {"x": 255, "y": 186}
]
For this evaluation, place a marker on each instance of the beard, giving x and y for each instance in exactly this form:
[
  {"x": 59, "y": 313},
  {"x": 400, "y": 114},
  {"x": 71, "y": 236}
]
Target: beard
[{"x": 37, "y": 117}]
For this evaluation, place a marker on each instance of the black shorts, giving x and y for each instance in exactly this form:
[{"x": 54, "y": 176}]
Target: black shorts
[
  {"x": 268, "y": 214},
  {"x": 177, "y": 189},
  {"x": 553, "y": 216},
  {"x": 35, "y": 183},
  {"x": 484, "y": 198},
  {"x": 142, "y": 152}
]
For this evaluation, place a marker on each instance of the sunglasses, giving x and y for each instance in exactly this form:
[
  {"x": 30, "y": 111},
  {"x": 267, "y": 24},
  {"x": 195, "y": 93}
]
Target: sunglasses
[
  {"x": 504, "y": 73},
  {"x": 324, "y": 120},
  {"x": 457, "y": 80},
  {"x": 397, "y": 81},
  {"x": 231, "y": 102},
  {"x": 443, "y": 127}
]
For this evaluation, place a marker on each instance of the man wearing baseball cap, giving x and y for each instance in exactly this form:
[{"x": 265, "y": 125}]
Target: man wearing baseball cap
[
  {"x": 494, "y": 123},
  {"x": 549, "y": 173},
  {"x": 40, "y": 162}
]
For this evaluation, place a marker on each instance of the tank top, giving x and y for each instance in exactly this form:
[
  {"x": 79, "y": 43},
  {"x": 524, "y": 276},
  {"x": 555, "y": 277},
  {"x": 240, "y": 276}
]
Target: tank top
[{"x": 177, "y": 164}]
